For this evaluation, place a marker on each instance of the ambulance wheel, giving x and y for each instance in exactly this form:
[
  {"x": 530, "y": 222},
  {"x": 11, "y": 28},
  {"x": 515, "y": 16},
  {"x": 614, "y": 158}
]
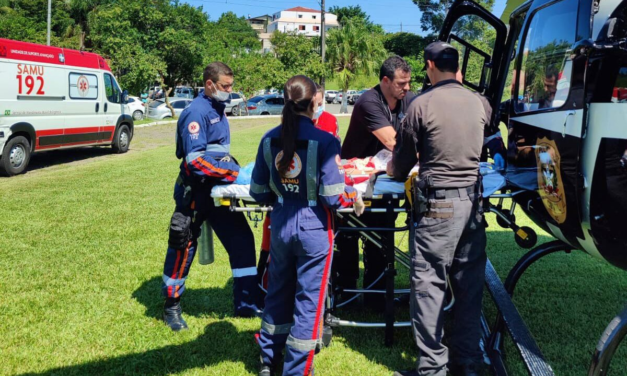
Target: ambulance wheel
[
  {"x": 15, "y": 156},
  {"x": 526, "y": 237},
  {"x": 138, "y": 115},
  {"x": 121, "y": 140}
]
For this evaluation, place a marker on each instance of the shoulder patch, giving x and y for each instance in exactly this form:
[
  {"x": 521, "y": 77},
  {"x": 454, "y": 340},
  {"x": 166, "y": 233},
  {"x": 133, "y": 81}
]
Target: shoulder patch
[
  {"x": 193, "y": 127},
  {"x": 214, "y": 121}
]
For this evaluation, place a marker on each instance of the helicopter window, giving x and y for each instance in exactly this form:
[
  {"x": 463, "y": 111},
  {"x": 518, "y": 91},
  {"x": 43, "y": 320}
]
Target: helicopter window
[
  {"x": 474, "y": 38},
  {"x": 619, "y": 94},
  {"x": 546, "y": 66}
]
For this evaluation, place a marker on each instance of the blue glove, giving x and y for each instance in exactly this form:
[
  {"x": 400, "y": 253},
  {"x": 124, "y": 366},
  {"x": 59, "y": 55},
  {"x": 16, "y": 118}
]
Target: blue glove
[
  {"x": 499, "y": 161},
  {"x": 245, "y": 174}
]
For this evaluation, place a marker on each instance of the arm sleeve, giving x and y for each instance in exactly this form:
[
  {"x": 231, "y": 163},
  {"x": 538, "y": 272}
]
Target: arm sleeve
[
  {"x": 333, "y": 191},
  {"x": 260, "y": 181},
  {"x": 193, "y": 130},
  {"x": 405, "y": 155},
  {"x": 375, "y": 116}
]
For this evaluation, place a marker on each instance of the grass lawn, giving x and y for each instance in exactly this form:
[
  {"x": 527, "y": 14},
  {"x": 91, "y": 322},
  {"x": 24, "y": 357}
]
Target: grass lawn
[{"x": 83, "y": 245}]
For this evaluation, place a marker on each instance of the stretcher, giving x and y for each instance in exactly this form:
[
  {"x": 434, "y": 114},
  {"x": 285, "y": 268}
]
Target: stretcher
[{"x": 391, "y": 198}]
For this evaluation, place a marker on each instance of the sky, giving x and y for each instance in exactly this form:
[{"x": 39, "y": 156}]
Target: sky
[{"x": 389, "y": 13}]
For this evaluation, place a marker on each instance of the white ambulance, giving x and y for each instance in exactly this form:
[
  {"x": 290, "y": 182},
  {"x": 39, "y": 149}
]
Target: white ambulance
[{"x": 54, "y": 98}]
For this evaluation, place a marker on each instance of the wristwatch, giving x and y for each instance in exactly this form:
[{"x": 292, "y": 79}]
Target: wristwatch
[{"x": 623, "y": 161}]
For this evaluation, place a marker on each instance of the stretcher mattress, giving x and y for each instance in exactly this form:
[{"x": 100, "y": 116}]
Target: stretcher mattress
[{"x": 492, "y": 182}]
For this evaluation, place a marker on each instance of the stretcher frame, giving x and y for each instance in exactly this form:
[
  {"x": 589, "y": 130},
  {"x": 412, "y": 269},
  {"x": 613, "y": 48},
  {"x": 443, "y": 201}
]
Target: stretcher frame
[{"x": 391, "y": 206}]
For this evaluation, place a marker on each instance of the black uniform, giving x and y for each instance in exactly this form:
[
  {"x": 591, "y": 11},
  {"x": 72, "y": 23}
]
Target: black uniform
[
  {"x": 449, "y": 238},
  {"x": 371, "y": 113}
]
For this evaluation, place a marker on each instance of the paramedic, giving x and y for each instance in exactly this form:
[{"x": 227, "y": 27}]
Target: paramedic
[
  {"x": 203, "y": 144},
  {"x": 373, "y": 126},
  {"x": 297, "y": 171},
  {"x": 449, "y": 238}
]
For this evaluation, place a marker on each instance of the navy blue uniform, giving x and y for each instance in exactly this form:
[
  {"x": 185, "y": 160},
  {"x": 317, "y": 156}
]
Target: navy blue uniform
[
  {"x": 301, "y": 245},
  {"x": 203, "y": 144}
]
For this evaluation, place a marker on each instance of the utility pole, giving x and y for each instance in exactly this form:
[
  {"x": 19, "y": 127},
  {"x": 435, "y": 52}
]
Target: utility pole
[
  {"x": 401, "y": 26},
  {"x": 323, "y": 46},
  {"x": 49, "y": 12}
]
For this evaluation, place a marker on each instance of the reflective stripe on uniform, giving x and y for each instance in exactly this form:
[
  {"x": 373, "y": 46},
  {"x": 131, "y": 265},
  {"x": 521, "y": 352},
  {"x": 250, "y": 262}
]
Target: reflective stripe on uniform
[
  {"x": 244, "y": 272},
  {"x": 193, "y": 156},
  {"x": 276, "y": 329},
  {"x": 267, "y": 155},
  {"x": 301, "y": 344},
  {"x": 258, "y": 189},
  {"x": 312, "y": 172},
  {"x": 173, "y": 281},
  {"x": 218, "y": 148},
  {"x": 332, "y": 190}
]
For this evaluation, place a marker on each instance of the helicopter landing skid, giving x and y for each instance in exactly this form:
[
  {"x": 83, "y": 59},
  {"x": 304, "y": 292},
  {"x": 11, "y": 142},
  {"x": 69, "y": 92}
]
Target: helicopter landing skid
[{"x": 509, "y": 318}]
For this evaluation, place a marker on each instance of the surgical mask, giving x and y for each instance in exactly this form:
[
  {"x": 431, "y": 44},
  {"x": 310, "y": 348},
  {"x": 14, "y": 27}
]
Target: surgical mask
[
  {"x": 221, "y": 96},
  {"x": 318, "y": 112}
]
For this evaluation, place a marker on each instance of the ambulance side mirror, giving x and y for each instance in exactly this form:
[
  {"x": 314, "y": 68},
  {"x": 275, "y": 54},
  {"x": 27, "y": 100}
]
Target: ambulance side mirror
[{"x": 125, "y": 96}]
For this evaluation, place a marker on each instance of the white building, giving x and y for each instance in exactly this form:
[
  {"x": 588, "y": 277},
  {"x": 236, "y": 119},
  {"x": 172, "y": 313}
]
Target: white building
[{"x": 302, "y": 20}]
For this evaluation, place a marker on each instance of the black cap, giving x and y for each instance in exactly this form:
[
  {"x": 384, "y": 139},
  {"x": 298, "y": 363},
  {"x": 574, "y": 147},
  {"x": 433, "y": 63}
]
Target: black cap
[{"x": 440, "y": 51}]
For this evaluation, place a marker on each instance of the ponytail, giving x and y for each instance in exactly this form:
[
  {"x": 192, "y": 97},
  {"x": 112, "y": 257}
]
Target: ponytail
[{"x": 299, "y": 92}]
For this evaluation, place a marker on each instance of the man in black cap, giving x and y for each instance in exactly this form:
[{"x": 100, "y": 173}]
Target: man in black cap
[{"x": 443, "y": 131}]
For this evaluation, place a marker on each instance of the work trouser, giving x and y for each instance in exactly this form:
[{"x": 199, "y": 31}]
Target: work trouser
[
  {"x": 235, "y": 235},
  {"x": 301, "y": 251},
  {"x": 449, "y": 240},
  {"x": 346, "y": 264}
]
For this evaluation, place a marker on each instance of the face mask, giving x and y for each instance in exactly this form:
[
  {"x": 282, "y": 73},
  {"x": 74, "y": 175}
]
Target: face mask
[
  {"x": 221, "y": 96},
  {"x": 318, "y": 113}
]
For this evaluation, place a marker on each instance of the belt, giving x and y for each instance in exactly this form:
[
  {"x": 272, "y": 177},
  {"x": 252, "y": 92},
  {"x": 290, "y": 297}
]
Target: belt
[{"x": 447, "y": 193}]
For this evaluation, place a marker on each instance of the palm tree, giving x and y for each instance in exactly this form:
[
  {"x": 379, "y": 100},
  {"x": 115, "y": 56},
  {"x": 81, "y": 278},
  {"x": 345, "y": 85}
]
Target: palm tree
[{"x": 353, "y": 50}]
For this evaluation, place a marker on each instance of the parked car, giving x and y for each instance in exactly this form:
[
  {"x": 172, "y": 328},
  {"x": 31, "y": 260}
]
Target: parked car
[
  {"x": 353, "y": 98},
  {"x": 135, "y": 107},
  {"x": 184, "y": 92},
  {"x": 349, "y": 94},
  {"x": 158, "y": 110},
  {"x": 262, "y": 105},
  {"x": 236, "y": 99},
  {"x": 330, "y": 95}
]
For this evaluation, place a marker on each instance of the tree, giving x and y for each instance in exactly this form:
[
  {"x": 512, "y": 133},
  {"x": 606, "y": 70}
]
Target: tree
[
  {"x": 258, "y": 71},
  {"x": 406, "y": 44},
  {"x": 344, "y": 14},
  {"x": 298, "y": 54},
  {"x": 240, "y": 34},
  {"x": 434, "y": 12},
  {"x": 352, "y": 50}
]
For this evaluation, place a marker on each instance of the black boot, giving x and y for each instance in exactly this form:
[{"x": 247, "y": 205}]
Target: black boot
[
  {"x": 466, "y": 369},
  {"x": 172, "y": 314}
]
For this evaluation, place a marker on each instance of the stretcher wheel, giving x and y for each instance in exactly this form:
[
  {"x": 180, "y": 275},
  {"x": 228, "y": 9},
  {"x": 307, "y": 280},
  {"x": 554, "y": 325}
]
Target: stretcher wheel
[
  {"x": 526, "y": 237},
  {"x": 501, "y": 221}
]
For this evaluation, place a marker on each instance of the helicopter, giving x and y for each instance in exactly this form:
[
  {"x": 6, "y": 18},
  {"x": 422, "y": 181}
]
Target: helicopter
[{"x": 564, "y": 63}]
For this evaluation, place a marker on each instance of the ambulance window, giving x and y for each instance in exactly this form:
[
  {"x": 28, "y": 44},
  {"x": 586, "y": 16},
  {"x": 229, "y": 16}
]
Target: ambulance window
[
  {"x": 619, "y": 94},
  {"x": 83, "y": 86},
  {"x": 544, "y": 80},
  {"x": 111, "y": 89}
]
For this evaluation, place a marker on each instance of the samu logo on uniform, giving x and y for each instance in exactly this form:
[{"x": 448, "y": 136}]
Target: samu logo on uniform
[
  {"x": 193, "y": 129},
  {"x": 295, "y": 167}
]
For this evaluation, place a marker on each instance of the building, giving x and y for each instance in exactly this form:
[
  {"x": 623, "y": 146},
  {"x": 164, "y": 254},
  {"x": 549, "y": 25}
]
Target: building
[
  {"x": 301, "y": 20},
  {"x": 260, "y": 25}
]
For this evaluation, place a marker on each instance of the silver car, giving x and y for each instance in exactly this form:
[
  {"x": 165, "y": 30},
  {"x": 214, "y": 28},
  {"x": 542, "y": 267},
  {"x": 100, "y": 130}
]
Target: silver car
[
  {"x": 262, "y": 105},
  {"x": 158, "y": 110},
  {"x": 236, "y": 99}
]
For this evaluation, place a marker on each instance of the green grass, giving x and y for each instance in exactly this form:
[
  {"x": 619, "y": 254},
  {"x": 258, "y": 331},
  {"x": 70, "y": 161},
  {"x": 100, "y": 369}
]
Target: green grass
[{"x": 83, "y": 246}]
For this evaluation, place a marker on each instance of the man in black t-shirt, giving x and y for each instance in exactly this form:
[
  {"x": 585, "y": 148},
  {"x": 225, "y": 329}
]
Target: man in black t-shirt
[{"x": 374, "y": 122}]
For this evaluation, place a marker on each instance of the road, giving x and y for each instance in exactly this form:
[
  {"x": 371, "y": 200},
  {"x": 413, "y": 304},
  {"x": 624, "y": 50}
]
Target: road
[{"x": 335, "y": 108}]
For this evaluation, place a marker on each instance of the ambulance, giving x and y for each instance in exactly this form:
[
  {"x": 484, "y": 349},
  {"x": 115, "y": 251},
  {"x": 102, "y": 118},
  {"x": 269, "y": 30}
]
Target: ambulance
[{"x": 55, "y": 98}]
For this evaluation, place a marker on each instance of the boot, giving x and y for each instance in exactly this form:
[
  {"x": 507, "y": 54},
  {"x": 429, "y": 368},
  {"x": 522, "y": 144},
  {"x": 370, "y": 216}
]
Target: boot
[
  {"x": 172, "y": 314},
  {"x": 466, "y": 369},
  {"x": 411, "y": 372}
]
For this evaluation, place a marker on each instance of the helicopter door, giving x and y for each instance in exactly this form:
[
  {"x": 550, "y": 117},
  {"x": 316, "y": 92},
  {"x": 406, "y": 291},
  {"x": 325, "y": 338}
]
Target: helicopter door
[
  {"x": 547, "y": 114},
  {"x": 479, "y": 36}
]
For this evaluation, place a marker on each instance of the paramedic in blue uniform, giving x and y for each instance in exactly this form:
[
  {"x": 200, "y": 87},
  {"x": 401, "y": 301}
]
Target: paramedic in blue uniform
[
  {"x": 298, "y": 172},
  {"x": 203, "y": 144}
]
